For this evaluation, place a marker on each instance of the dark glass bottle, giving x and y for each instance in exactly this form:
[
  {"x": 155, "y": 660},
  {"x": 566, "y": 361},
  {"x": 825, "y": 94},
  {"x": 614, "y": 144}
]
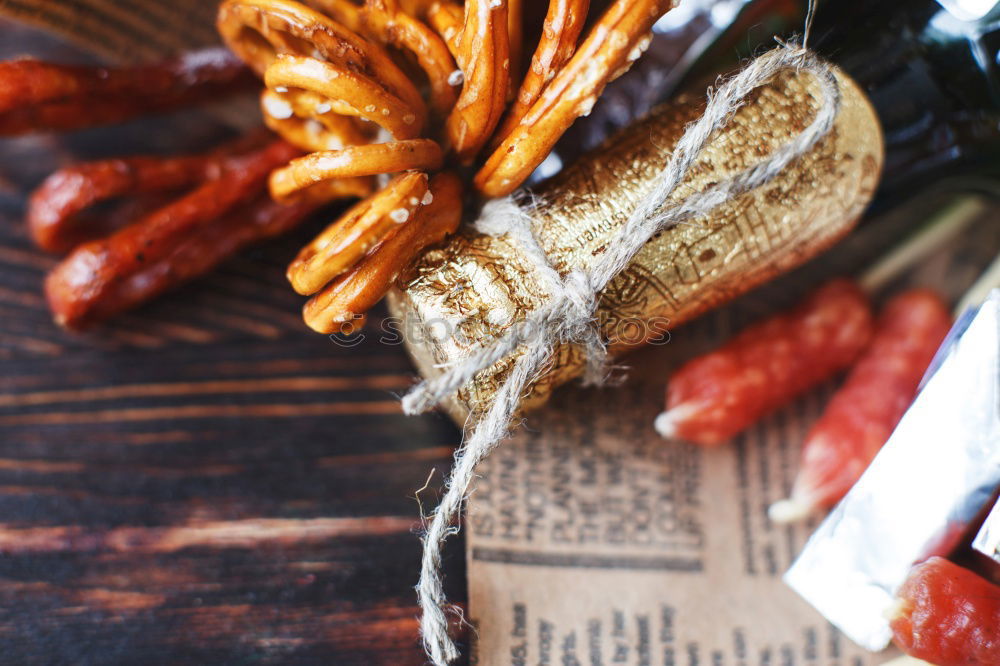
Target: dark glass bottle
[{"x": 934, "y": 80}]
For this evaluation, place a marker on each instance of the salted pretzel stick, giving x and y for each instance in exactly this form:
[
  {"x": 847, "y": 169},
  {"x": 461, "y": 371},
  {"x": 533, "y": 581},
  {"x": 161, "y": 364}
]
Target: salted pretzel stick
[
  {"x": 515, "y": 36},
  {"x": 259, "y": 30},
  {"x": 342, "y": 244},
  {"x": 55, "y": 208},
  {"x": 190, "y": 255},
  {"x": 347, "y": 93},
  {"x": 306, "y": 119},
  {"x": 344, "y": 12},
  {"x": 323, "y": 93},
  {"x": 356, "y": 291},
  {"x": 317, "y": 69},
  {"x": 316, "y": 168},
  {"x": 484, "y": 58},
  {"x": 40, "y": 96},
  {"x": 563, "y": 25},
  {"x": 618, "y": 39},
  {"x": 391, "y": 25},
  {"x": 446, "y": 18},
  {"x": 79, "y": 284}
]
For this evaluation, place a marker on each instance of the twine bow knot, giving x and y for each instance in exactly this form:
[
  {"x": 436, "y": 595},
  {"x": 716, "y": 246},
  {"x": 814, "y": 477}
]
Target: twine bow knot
[{"x": 568, "y": 313}]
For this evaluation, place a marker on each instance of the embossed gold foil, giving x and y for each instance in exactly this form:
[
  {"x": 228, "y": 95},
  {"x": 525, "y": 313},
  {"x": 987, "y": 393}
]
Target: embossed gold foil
[{"x": 469, "y": 290}]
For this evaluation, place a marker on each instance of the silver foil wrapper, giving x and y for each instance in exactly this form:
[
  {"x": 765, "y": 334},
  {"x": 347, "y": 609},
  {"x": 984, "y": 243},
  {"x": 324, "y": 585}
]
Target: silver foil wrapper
[
  {"x": 987, "y": 540},
  {"x": 935, "y": 474}
]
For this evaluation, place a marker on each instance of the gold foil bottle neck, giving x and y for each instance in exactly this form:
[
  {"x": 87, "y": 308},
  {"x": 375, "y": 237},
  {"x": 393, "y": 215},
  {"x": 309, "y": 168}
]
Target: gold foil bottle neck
[{"x": 472, "y": 288}]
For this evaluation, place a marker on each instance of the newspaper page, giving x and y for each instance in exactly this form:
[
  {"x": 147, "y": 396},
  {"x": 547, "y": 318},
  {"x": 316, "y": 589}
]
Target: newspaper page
[{"x": 592, "y": 541}]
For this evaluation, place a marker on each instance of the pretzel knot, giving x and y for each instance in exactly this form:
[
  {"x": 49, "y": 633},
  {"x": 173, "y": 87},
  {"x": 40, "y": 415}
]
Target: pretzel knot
[{"x": 344, "y": 81}]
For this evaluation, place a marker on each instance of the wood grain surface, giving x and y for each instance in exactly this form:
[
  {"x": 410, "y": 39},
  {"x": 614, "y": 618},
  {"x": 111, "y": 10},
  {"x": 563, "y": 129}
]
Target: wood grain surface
[
  {"x": 203, "y": 481},
  {"x": 122, "y": 30}
]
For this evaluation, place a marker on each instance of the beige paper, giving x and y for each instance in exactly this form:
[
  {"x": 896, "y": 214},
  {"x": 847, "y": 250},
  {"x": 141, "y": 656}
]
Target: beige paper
[{"x": 591, "y": 540}]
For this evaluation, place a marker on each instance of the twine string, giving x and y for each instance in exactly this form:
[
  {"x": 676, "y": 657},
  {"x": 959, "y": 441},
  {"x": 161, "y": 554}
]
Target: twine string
[{"x": 568, "y": 315}]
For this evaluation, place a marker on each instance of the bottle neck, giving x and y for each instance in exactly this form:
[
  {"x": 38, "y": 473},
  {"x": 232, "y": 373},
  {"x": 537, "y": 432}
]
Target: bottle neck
[
  {"x": 933, "y": 78},
  {"x": 971, "y": 10}
]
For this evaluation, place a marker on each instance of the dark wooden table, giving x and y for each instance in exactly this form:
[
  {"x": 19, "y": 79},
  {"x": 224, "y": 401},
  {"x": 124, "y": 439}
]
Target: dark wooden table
[{"x": 203, "y": 481}]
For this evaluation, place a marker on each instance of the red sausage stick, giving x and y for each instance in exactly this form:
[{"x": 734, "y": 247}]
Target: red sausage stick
[
  {"x": 57, "y": 208},
  {"x": 715, "y": 396},
  {"x": 948, "y": 616},
  {"x": 865, "y": 410},
  {"x": 188, "y": 256},
  {"x": 40, "y": 96},
  {"x": 181, "y": 240}
]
